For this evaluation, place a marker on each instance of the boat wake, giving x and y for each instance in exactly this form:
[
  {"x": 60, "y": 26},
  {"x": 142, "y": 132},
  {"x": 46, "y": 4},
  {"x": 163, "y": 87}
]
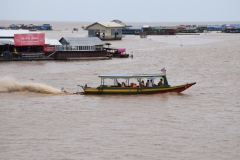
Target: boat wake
[{"x": 11, "y": 85}]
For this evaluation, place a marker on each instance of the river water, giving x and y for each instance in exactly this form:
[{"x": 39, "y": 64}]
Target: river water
[{"x": 37, "y": 121}]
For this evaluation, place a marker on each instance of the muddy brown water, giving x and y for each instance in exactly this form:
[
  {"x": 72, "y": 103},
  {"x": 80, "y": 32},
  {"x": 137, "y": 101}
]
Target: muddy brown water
[{"x": 203, "y": 122}]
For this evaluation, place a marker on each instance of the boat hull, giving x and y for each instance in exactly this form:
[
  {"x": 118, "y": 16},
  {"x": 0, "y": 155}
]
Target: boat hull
[
  {"x": 121, "y": 56},
  {"x": 136, "y": 90}
]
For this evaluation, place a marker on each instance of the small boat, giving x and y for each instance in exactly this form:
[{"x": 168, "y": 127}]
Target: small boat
[
  {"x": 135, "y": 88},
  {"x": 117, "y": 52}
]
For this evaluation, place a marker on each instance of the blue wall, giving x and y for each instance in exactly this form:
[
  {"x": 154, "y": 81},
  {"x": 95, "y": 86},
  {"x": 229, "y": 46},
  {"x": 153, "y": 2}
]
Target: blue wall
[{"x": 45, "y": 27}]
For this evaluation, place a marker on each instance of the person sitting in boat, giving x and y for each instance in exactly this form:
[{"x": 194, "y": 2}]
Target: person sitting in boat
[
  {"x": 147, "y": 84},
  {"x": 119, "y": 85},
  {"x": 123, "y": 84},
  {"x": 141, "y": 84},
  {"x": 160, "y": 82},
  {"x": 150, "y": 84}
]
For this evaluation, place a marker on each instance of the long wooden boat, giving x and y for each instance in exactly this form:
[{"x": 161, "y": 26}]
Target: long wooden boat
[{"x": 133, "y": 88}]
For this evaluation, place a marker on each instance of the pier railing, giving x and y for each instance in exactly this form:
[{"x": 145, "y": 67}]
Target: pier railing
[
  {"x": 32, "y": 55},
  {"x": 64, "y": 48},
  {"x": 74, "y": 48}
]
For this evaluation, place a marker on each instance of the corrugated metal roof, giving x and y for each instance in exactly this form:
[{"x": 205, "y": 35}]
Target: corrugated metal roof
[
  {"x": 215, "y": 25},
  {"x": 163, "y": 27},
  {"x": 10, "y": 33},
  {"x": 110, "y": 24},
  {"x": 52, "y": 42},
  {"x": 146, "y": 26},
  {"x": 134, "y": 28},
  {"x": 6, "y": 41},
  {"x": 236, "y": 25},
  {"x": 84, "y": 41},
  {"x": 106, "y": 24}
]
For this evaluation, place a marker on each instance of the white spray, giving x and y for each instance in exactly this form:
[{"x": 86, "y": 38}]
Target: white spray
[{"x": 11, "y": 85}]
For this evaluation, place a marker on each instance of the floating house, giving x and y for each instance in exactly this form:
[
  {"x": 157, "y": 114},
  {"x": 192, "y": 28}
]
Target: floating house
[
  {"x": 202, "y": 28},
  {"x": 131, "y": 30},
  {"x": 13, "y": 26},
  {"x": 45, "y": 27},
  {"x": 78, "y": 47},
  {"x": 25, "y": 44},
  {"x": 215, "y": 27},
  {"x": 191, "y": 29},
  {"x": 105, "y": 30},
  {"x": 162, "y": 30},
  {"x": 145, "y": 28},
  {"x": 81, "y": 44},
  {"x": 181, "y": 28},
  {"x": 231, "y": 28},
  {"x": 31, "y": 26}
]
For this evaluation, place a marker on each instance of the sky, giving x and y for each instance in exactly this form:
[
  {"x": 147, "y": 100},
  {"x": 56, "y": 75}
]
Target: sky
[{"x": 123, "y": 10}]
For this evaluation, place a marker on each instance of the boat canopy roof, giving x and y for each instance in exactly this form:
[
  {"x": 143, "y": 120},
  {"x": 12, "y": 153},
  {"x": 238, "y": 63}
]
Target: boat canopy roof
[{"x": 128, "y": 76}]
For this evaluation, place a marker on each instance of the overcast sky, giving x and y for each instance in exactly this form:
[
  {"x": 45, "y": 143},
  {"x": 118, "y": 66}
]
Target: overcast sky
[{"x": 124, "y": 10}]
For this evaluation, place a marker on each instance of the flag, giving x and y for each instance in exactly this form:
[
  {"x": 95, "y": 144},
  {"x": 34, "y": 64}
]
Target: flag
[{"x": 163, "y": 70}]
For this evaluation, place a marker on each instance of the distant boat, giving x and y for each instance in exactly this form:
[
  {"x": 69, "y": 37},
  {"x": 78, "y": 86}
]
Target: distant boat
[
  {"x": 84, "y": 27},
  {"x": 117, "y": 52}
]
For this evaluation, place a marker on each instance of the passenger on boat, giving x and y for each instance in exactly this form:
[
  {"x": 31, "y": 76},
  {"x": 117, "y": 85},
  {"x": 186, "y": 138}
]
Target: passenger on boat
[
  {"x": 119, "y": 85},
  {"x": 150, "y": 83},
  {"x": 160, "y": 82},
  {"x": 141, "y": 84},
  {"x": 133, "y": 85},
  {"x": 147, "y": 84},
  {"x": 123, "y": 84}
]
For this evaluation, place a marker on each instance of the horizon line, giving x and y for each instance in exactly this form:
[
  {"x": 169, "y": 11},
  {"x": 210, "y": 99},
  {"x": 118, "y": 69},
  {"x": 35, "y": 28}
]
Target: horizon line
[{"x": 125, "y": 21}]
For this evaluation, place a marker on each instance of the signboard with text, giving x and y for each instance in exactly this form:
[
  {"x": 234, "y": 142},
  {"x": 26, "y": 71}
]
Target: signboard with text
[
  {"x": 49, "y": 48},
  {"x": 30, "y": 39}
]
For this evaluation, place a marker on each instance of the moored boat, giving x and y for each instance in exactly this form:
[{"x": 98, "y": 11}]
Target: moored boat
[
  {"x": 117, "y": 52},
  {"x": 135, "y": 88}
]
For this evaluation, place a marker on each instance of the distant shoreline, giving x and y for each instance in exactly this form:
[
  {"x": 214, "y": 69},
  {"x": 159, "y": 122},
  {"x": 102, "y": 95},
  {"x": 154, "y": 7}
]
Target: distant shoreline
[{"x": 9, "y": 22}]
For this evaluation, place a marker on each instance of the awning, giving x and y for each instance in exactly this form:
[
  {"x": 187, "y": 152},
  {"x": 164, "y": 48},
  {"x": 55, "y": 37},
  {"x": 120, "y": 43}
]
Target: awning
[
  {"x": 52, "y": 42},
  {"x": 6, "y": 41}
]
